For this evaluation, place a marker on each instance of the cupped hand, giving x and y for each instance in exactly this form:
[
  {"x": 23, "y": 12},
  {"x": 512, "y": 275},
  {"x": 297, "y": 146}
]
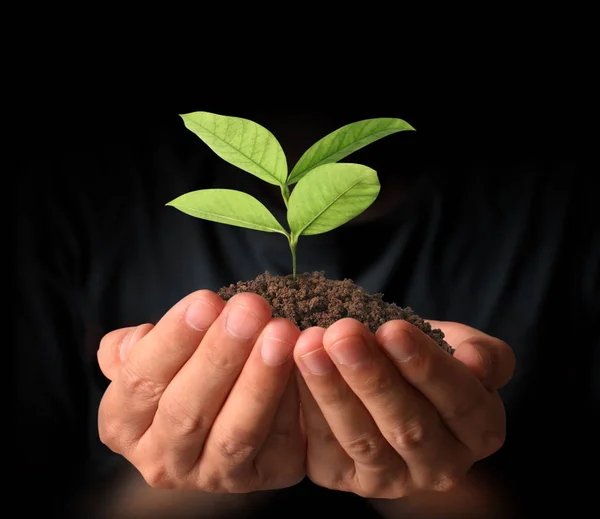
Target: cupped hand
[
  {"x": 389, "y": 414},
  {"x": 205, "y": 399}
]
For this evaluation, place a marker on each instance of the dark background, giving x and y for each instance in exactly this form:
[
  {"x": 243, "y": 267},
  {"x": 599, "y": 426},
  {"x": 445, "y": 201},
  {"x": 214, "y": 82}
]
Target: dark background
[{"x": 532, "y": 103}]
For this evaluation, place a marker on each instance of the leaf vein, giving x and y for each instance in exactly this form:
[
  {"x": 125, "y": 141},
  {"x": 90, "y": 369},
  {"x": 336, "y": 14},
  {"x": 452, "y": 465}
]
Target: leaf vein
[
  {"x": 329, "y": 205},
  {"x": 233, "y": 149}
]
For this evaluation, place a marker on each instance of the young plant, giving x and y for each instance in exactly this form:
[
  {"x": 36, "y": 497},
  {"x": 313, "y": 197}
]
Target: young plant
[{"x": 326, "y": 195}]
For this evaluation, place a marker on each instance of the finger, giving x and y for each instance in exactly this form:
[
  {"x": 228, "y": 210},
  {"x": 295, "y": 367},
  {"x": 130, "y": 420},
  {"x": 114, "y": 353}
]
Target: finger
[
  {"x": 193, "y": 399},
  {"x": 327, "y": 464},
  {"x": 406, "y": 419},
  {"x": 285, "y": 441},
  {"x": 473, "y": 414},
  {"x": 246, "y": 418},
  {"x": 348, "y": 419},
  {"x": 130, "y": 402},
  {"x": 491, "y": 359},
  {"x": 115, "y": 345}
]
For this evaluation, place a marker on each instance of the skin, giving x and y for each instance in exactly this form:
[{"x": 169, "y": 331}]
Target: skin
[{"x": 196, "y": 404}]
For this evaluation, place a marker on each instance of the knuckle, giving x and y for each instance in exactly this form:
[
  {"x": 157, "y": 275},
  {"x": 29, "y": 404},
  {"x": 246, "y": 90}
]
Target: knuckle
[
  {"x": 157, "y": 476},
  {"x": 384, "y": 481},
  {"x": 445, "y": 482},
  {"x": 178, "y": 417},
  {"x": 364, "y": 448},
  {"x": 138, "y": 383},
  {"x": 408, "y": 436},
  {"x": 238, "y": 446},
  {"x": 211, "y": 483},
  {"x": 216, "y": 482},
  {"x": 378, "y": 484},
  {"x": 110, "y": 433}
]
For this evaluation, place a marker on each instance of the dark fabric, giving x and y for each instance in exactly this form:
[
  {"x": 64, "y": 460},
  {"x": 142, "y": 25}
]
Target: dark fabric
[{"x": 505, "y": 241}]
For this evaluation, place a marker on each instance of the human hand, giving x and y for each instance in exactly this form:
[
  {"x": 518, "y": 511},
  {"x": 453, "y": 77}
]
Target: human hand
[
  {"x": 205, "y": 399},
  {"x": 397, "y": 414}
]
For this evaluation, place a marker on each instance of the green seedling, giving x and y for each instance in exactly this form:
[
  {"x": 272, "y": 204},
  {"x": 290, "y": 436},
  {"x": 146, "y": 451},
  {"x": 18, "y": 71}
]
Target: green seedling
[{"x": 326, "y": 194}]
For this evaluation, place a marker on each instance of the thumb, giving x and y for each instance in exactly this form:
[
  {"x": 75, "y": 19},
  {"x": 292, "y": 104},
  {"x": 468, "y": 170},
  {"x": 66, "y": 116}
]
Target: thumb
[
  {"x": 489, "y": 358},
  {"x": 115, "y": 345}
]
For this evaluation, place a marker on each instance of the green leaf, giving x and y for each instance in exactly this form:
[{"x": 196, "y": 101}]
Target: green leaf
[
  {"x": 241, "y": 142},
  {"x": 230, "y": 207},
  {"x": 329, "y": 196},
  {"x": 344, "y": 141}
]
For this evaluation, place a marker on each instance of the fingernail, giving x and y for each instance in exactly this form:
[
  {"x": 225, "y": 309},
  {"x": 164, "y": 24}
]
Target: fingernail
[
  {"x": 275, "y": 351},
  {"x": 401, "y": 347},
  {"x": 317, "y": 362},
  {"x": 350, "y": 351},
  {"x": 242, "y": 323},
  {"x": 126, "y": 344},
  {"x": 201, "y": 314}
]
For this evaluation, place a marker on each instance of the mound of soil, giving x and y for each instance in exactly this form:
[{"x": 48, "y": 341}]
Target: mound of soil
[{"x": 313, "y": 300}]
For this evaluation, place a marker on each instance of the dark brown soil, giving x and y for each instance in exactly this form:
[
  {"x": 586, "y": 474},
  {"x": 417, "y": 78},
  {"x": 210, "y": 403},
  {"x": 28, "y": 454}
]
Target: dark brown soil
[{"x": 314, "y": 300}]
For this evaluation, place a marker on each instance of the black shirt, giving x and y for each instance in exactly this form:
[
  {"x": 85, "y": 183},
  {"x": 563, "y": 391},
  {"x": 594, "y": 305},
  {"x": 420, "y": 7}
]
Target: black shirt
[{"x": 507, "y": 243}]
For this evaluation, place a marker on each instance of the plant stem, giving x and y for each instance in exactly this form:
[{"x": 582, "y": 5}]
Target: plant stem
[
  {"x": 293, "y": 245},
  {"x": 285, "y": 193}
]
